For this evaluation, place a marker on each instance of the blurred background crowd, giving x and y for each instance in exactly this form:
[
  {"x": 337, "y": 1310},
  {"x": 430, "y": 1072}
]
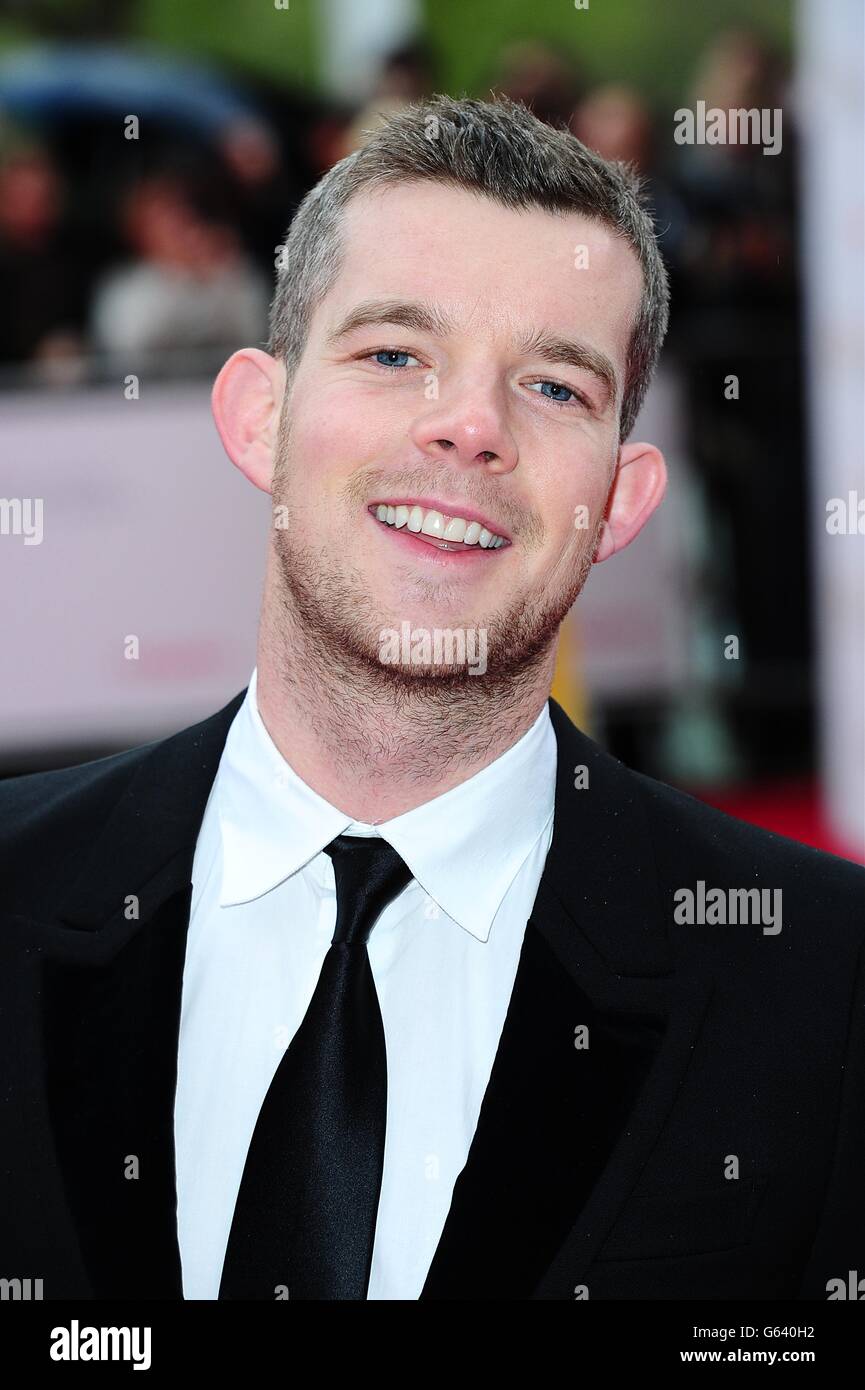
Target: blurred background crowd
[{"x": 150, "y": 160}]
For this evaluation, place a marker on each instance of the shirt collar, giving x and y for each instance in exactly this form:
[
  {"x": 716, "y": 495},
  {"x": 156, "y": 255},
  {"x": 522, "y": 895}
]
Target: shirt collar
[{"x": 464, "y": 847}]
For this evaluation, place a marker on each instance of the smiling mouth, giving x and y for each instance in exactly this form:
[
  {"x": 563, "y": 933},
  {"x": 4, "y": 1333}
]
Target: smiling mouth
[{"x": 438, "y": 529}]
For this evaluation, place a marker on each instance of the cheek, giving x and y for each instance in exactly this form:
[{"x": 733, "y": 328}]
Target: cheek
[
  {"x": 572, "y": 506},
  {"x": 335, "y": 430},
  {"x": 331, "y": 438}
]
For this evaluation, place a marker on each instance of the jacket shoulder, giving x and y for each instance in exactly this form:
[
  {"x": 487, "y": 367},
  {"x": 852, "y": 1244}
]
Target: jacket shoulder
[
  {"x": 694, "y": 840},
  {"x": 49, "y": 819},
  {"x": 152, "y": 795}
]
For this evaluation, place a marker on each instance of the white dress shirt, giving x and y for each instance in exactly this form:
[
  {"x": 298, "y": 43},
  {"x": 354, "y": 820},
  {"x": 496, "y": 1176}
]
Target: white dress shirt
[{"x": 443, "y": 954}]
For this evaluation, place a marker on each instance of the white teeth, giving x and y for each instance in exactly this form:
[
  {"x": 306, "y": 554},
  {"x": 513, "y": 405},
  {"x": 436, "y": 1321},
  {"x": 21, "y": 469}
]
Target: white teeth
[{"x": 434, "y": 523}]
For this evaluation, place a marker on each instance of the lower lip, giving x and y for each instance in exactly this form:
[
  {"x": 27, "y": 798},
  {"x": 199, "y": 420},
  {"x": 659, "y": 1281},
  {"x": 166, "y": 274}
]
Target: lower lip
[{"x": 412, "y": 541}]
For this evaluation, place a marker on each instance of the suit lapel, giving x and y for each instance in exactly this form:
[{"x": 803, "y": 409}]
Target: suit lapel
[
  {"x": 550, "y": 1117},
  {"x": 563, "y": 1132},
  {"x": 112, "y": 979},
  {"x": 111, "y": 1027}
]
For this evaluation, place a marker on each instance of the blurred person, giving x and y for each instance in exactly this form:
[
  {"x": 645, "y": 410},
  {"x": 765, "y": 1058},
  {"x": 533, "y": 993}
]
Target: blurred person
[
  {"x": 271, "y": 164},
  {"x": 405, "y": 76},
  {"x": 249, "y": 132},
  {"x": 407, "y": 72},
  {"x": 42, "y": 274},
  {"x": 739, "y": 67},
  {"x": 525, "y": 1063},
  {"x": 739, "y": 320},
  {"x": 616, "y": 121},
  {"x": 743, "y": 197},
  {"x": 190, "y": 287},
  {"x": 536, "y": 74}
]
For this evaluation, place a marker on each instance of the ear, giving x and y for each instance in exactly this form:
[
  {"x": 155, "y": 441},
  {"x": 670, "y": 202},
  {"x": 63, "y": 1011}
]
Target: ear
[
  {"x": 638, "y": 486},
  {"x": 246, "y": 400}
]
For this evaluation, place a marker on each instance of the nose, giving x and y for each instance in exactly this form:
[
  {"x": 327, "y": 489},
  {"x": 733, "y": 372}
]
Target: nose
[{"x": 468, "y": 426}]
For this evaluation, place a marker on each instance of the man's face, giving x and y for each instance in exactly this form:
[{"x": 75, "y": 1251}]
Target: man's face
[{"x": 454, "y": 400}]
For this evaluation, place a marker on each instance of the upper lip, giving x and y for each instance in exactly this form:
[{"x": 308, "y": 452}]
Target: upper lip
[{"x": 446, "y": 508}]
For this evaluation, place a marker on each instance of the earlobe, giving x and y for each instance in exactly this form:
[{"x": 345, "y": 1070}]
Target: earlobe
[
  {"x": 637, "y": 489},
  {"x": 246, "y": 401}
]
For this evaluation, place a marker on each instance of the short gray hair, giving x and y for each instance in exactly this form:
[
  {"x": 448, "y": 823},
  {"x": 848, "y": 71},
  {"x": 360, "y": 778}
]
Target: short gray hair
[{"x": 498, "y": 148}]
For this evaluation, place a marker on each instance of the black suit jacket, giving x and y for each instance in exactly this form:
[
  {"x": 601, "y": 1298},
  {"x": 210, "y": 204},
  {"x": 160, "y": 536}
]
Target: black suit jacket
[{"x": 596, "y": 1171}]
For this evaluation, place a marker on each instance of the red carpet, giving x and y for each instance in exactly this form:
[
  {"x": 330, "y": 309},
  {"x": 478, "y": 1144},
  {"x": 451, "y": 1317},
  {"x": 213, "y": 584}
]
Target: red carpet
[{"x": 789, "y": 808}]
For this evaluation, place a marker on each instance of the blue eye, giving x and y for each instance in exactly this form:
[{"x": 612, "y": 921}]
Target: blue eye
[
  {"x": 392, "y": 352},
  {"x": 555, "y": 386}
]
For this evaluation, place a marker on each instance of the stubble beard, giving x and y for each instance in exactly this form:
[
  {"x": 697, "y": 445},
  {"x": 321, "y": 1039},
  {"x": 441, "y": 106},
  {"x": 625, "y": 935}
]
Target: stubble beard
[{"x": 331, "y": 627}]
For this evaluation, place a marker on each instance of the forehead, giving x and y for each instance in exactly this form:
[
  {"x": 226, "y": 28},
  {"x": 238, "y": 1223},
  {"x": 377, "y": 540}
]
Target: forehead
[{"x": 491, "y": 267}]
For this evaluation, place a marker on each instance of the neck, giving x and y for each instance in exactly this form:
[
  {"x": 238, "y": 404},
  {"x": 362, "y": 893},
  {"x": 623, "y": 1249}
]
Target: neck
[{"x": 374, "y": 750}]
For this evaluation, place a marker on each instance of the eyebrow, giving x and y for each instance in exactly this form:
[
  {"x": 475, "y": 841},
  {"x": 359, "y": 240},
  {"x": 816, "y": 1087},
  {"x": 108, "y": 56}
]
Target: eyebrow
[
  {"x": 426, "y": 318},
  {"x": 568, "y": 352}
]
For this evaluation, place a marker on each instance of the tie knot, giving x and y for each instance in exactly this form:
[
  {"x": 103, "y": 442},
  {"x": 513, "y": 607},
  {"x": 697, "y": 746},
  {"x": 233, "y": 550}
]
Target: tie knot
[{"x": 369, "y": 873}]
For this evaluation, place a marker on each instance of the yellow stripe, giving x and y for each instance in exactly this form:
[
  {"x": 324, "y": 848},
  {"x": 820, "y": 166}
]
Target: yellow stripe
[{"x": 569, "y": 688}]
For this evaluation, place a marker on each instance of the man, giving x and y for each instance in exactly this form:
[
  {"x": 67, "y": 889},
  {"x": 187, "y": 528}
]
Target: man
[{"x": 385, "y": 981}]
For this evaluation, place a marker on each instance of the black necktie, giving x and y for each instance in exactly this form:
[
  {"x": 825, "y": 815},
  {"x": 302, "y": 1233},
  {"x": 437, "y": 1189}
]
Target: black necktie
[{"x": 306, "y": 1210}]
